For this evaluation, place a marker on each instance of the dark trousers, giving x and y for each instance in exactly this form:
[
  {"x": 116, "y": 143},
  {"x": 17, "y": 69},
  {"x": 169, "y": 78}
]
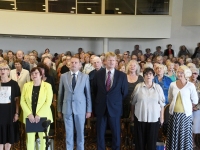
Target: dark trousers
[
  {"x": 114, "y": 123},
  {"x": 146, "y": 134}
]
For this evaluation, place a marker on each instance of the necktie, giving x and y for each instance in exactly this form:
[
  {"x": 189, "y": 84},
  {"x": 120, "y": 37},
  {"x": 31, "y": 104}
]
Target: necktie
[
  {"x": 73, "y": 81},
  {"x": 108, "y": 81}
]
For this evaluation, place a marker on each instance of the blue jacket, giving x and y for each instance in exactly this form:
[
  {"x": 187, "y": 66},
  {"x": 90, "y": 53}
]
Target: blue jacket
[{"x": 165, "y": 83}]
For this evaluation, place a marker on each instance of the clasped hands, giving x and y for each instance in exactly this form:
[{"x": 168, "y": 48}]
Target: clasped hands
[{"x": 33, "y": 119}]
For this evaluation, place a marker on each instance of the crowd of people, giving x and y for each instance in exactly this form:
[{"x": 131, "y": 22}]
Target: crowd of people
[{"x": 109, "y": 87}]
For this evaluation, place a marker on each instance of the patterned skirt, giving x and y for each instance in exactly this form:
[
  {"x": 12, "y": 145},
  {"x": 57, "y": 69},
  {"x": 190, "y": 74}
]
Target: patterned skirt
[{"x": 179, "y": 135}]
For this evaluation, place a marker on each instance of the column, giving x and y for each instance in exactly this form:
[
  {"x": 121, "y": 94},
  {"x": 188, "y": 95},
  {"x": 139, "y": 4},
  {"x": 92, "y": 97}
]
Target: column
[{"x": 105, "y": 45}]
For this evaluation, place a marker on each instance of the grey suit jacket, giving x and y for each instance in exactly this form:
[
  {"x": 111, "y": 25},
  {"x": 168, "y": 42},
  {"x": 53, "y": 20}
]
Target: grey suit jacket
[{"x": 77, "y": 101}]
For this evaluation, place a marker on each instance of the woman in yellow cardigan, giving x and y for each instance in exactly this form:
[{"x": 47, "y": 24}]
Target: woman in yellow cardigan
[{"x": 36, "y": 99}]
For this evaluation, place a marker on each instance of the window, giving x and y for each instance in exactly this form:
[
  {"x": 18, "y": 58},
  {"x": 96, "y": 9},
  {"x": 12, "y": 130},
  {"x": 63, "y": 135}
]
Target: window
[
  {"x": 89, "y": 6},
  {"x": 125, "y": 7},
  {"x": 62, "y": 6},
  {"x": 153, "y": 7},
  {"x": 31, "y": 5},
  {"x": 5, "y": 4}
]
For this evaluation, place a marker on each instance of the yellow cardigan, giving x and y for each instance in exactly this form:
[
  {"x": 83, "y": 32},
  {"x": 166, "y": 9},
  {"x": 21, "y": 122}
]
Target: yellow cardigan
[{"x": 44, "y": 100}]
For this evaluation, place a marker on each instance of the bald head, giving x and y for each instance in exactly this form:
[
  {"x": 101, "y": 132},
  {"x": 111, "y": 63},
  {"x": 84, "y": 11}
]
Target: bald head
[
  {"x": 97, "y": 63},
  {"x": 20, "y": 55}
]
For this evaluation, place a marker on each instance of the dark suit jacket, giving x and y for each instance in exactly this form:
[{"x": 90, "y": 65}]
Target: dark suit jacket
[{"x": 111, "y": 100}]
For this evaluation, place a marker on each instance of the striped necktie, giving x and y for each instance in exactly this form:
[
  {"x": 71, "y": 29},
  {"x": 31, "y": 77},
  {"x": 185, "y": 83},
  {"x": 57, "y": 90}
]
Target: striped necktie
[{"x": 108, "y": 82}]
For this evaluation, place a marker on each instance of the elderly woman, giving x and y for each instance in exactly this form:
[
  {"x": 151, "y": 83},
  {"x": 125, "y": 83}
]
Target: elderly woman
[
  {"x": 170, "y": 71},
  {"x": 148, "y": 103},
  {"x": 35, "y": 101},
  {"x": 9, "y": 108},
  {"x": 162, "y": 80},
  {"x": 182, "y": 95},
  {"x": 19, "y": 74},
  {"x": 196, "y": 108},
  {"x": 133, "y": 78}
]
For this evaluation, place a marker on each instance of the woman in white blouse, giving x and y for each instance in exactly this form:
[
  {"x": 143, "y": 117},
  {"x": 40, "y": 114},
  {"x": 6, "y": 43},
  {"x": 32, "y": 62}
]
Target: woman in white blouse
[
  {"x": 182, "y": 95},
  {"x": 19, "y": 74},
  {"x": 148, "y": 102}
]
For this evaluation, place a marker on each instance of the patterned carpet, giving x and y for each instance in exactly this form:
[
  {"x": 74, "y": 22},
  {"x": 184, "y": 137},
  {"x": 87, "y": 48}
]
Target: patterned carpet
[{"x": 90, "y": 137}]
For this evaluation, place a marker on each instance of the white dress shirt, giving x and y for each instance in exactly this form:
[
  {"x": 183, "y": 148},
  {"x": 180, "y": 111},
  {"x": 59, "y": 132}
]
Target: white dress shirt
[
  {"x": 76, "y": 74},
  {"x": 112, "y": 71}
]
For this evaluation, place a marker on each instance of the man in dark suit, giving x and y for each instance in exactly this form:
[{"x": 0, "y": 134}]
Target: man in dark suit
[
  {"x": 110, "y": 88},
  {"x": 97, "y": 64}
]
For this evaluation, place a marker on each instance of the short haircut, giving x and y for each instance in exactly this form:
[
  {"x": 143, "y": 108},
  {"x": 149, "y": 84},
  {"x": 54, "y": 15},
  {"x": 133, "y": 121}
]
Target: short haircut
[
  {"x": 110, "y": 54},
  {"x": 187, "y": 71},
  {"x": 177, "y": 62},
  {"x": 45, "y": 67},
  {"x": 147, "y": 70},
  {"x": 10, "y": 52},
  {"x": 160, "y": 66},
  {"x": 34, "y": 69},
  {"x": 18, "y": 61}
]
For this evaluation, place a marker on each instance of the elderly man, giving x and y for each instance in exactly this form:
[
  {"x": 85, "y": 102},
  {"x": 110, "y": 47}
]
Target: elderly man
[
  {"x": 20, "y": 55},
  {"x": 97, "y": 64}
]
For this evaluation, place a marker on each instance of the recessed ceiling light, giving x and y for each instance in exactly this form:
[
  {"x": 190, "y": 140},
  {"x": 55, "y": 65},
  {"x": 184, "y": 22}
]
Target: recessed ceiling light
[
  {"x": 43, "y": 5},
  {"x": 72, "y": 12},
  {"x": 93, "y": 12},
  {"x": 119, "y": 12},
  {"x": 12, "y": 4},
  {"x": 73, "y": 8},
  {"x": 44, "y": 9},
  {"x": 89, "y": 8},
  {"x": 116, "y": 8}
]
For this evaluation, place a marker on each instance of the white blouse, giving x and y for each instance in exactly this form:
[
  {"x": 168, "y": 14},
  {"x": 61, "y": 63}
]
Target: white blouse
[
  {"x": 188, "y": 96},
  {"x": 148, "y": 102}
]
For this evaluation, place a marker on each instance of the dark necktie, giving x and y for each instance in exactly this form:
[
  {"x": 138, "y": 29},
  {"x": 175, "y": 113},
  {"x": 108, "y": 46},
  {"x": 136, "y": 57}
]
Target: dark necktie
[
  {"x": 73, "y": 81},
  {"x": 108, "y": 82}
]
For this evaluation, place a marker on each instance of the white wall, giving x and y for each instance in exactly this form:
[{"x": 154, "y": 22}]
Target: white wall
[
  {"x": 56, "y": 24},
  {"x": 191, "y": 13},
  {"x": 187, "y": 35}
]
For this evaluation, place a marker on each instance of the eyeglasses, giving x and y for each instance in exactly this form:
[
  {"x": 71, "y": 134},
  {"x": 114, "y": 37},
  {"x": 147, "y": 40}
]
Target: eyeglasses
[
  {"x": 195, "y": 73},
  {"x": 3, "y": 69},
  {"x": 148, "y": 73}
]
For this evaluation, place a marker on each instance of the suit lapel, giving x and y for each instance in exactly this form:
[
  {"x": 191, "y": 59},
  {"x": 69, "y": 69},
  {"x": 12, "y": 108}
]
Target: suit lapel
[
  {"x": 79, "y": 78},
  {"x": 21, "y": 74},
  {"x": 30, "y": 90},
  {"x": 69, "y": 80},
  {"x": 40, "y": 98}
]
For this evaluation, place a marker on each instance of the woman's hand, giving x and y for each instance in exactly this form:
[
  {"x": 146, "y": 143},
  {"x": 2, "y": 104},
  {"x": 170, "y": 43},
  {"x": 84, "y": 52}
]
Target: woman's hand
[
  {"x": 16, "y": 117},
  {"x": 161, "y": 120},
  {"x": 37, "y": 119},
  {"x": 31, "y": 118}
]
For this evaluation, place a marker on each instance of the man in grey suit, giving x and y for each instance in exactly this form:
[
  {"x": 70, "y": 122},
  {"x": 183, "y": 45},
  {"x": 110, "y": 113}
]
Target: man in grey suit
[{"x": 74, "y": 103}]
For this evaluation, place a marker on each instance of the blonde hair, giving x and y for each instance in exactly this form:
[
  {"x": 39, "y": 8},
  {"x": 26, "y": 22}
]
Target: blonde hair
[
  {"x": 128, "y": 65},
  {"x": 4, "y": 65},
  {"x": 110, "y": 54},
  {"x": 160, "y": 66},
  {"x": 187, "y": 71}
]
